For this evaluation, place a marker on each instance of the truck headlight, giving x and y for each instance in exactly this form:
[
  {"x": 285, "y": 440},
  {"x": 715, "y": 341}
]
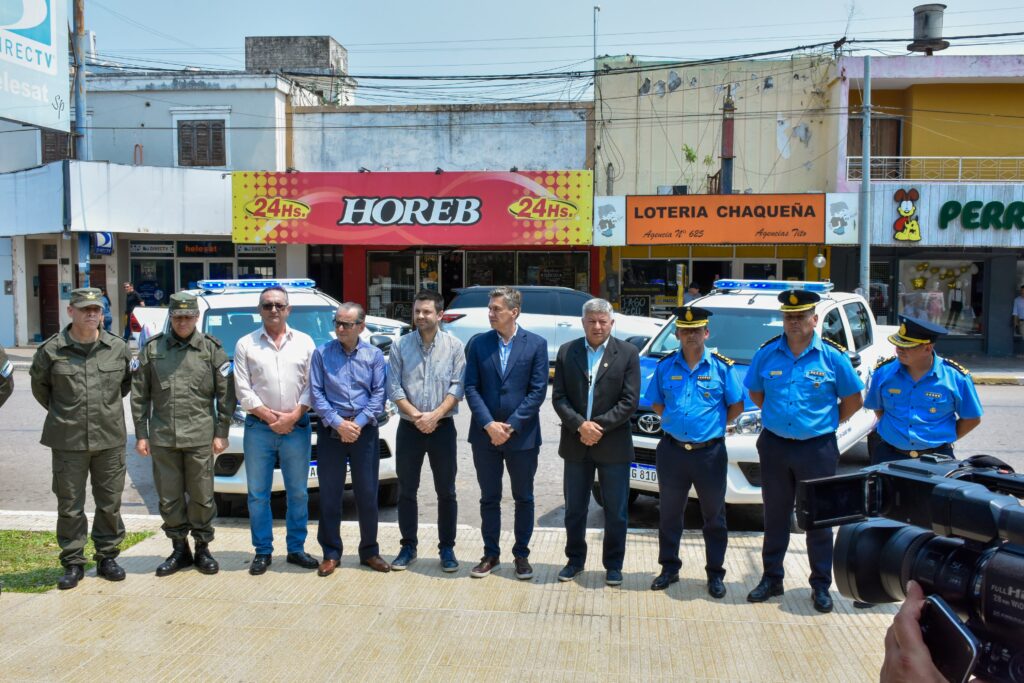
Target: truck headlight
[
  {"x": 238, "y": 418},
  {"x": 748, "y": 423}
]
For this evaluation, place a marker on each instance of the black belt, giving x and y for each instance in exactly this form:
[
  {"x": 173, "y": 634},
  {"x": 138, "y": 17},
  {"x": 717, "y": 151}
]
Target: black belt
[
  {"x": 692, "y": 445},
  {"x": 919, "y": 452}
]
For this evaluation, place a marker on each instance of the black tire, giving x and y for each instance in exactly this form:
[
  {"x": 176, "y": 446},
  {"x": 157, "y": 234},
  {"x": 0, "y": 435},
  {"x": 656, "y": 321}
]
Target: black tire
[
  {"x": 388, "y": 494},
  {"x": 226, "y": 504}
]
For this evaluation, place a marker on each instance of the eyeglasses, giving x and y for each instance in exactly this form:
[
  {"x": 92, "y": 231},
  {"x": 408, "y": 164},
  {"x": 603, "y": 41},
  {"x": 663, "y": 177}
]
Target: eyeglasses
[
  {"x": 271, "y": 306},
  {"x": 346, "y": 325}
]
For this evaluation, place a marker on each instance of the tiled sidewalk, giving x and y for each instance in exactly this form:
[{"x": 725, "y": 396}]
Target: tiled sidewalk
[{"x": 425, "y": 625}]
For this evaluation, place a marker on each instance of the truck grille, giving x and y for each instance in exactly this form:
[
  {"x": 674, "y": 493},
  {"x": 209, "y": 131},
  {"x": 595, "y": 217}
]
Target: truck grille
[
  {"x": 227, "y": 464},
  {"x": 644, "y": 456},
  {"x": 752, "y": 472}
]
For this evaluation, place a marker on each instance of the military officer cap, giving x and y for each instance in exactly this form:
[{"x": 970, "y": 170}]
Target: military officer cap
[
  {"x": 84, "y": 297},
  {"x": 691, "y": 316},
  {"x": 914, "y": 332},
  {"x": 795, "y": 300},
  {"x": 183, "y": 303}
]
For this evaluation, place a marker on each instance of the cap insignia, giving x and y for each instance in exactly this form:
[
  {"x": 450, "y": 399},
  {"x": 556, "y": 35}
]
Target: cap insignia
[
  {"x": 689, "y": 315},
  {"x": 793, "y": 300}
]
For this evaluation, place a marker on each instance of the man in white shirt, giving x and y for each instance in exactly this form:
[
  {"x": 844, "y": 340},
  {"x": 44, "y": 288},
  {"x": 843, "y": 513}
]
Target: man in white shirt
[
  {"x": 1018, "y": 313},
  {"x": 272, "y": 384}
]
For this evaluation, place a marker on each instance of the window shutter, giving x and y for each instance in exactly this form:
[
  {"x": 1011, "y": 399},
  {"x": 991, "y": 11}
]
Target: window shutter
[{"x": 186, "y": 143}]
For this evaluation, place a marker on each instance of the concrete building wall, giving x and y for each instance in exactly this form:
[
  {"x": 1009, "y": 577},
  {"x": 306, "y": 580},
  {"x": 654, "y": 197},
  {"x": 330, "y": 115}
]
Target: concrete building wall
[
  {"x": 451, "y": 137},
  {"x": 19, "y": 146},
  {"x": 661, "y": 125}
]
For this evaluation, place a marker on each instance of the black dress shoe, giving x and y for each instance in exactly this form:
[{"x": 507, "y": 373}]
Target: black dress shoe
[
  {"x": 110, "y": 570},
  {"x": 768, "y": 588},
  {"x": 72, "y": 575},
  {"x": 822, "y": 600},
  {"x": 857, "y": 604},
  {"x": 259, "y": 565},
  {"x": 204, "y": 560},
  {"x": 303, "y": 559},
  {"x": 663, "y": 581},
  {"x": 716, "y": 587}
]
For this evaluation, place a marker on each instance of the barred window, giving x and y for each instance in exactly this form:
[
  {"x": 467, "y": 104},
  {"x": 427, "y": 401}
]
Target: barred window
[
  {"x": 201, "y": 143},
  {"x": 57, "y": 146}
]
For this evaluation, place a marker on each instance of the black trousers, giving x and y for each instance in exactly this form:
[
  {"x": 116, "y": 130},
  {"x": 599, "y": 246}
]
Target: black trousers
[
  {"x": 363, "y": 455},
  {"x": 784, "y": 462},
  {"x": 705, "y": 470},
  {"x": 440, "y": 447}
]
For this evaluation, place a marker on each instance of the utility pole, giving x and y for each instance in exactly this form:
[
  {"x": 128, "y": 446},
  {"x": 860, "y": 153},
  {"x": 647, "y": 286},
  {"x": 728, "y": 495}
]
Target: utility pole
[
  {"x": 81, "y": 148},
  {"x": 864, "y": 210},
  {"x": 728, "y": 132}
]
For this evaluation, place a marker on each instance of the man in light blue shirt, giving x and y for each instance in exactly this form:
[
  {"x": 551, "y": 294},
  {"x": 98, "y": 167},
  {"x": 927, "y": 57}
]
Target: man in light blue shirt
[
  {"x": 805, "y": 386},
  {"x": 347, "y": 383}
]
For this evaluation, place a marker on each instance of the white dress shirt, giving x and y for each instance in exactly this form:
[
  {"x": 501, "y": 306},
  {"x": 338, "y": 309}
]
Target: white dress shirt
[{"x": 266, "y": 375}]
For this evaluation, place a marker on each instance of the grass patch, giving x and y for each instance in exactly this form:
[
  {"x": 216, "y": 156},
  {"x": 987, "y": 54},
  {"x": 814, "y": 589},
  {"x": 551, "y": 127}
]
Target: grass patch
[{"x": 30, "y": 560}]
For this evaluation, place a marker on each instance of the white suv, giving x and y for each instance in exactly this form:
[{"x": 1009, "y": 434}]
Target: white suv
[
  {"x": 228, "y": 310},
  {"x": 746, "y": 314}
]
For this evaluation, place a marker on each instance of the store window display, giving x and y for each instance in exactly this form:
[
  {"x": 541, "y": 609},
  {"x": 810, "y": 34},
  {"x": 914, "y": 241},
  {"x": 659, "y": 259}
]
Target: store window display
[{"x": 947, "y": 293}]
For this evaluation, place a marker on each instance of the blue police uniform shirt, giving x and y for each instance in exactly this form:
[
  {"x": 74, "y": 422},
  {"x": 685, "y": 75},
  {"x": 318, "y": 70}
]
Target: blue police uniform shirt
[
  {"x": 695, "y": 401},
  {"x": 922, "y": 414},
  {"x": 801, "y": 392}
]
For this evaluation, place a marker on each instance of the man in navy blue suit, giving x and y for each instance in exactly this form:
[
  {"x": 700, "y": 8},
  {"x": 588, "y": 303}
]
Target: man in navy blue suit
[{"x": 506, "y": 383}]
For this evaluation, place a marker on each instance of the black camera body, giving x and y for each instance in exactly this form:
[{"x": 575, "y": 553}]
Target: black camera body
[{"x": 955, "y": 527}]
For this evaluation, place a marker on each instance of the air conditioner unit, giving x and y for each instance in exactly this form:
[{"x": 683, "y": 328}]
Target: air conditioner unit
[{"x": 672, "y": 189}]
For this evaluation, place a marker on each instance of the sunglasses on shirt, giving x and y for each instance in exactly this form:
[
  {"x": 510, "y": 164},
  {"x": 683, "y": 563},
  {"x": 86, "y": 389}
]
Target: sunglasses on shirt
[{"x": 272, "y": 306}]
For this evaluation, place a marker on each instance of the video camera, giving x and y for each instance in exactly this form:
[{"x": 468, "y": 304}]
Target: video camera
[{"x": 955, "y": 527}]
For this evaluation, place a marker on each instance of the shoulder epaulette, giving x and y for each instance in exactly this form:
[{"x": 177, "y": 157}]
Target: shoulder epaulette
[
  {"x": 956, "y": 366},
  {"x": 724, "y": 359},
  {"x": 152, "y": 339},
  {"x": 50, "y": 339},
  {"x": 216, "y": 342},
  {"x": 775, "y": 338},
  {"x": 834, "y": 344},
  {"x": 884, "y": 361}
]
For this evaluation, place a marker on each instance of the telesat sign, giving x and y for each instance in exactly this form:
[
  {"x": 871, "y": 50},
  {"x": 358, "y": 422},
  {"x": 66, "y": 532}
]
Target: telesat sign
[
  {"x": 396, "y": 209},
  {"x": 34, "y": 62}
]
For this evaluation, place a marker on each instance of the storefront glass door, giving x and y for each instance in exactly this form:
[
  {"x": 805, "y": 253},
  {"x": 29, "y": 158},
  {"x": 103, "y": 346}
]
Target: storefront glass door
[{"x": 189, "y": 274}]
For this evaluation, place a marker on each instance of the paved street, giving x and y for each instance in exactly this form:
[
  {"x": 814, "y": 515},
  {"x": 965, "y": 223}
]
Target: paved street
[{"x": 25, "y": 466}]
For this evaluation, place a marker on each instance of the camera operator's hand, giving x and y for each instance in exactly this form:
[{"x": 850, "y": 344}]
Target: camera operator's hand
[{"x": 906, "y": 656}]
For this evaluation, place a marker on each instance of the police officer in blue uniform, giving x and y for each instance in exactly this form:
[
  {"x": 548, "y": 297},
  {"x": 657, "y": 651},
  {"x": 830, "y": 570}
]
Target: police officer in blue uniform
[
  {"x": 696, "y": 392},
  {"x": 805, "y": 386},
  {"x": 923, "y": 402}
]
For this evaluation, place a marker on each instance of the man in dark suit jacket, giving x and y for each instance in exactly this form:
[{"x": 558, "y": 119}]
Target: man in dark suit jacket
[
  {"x": 506, "y": 382},
  {"x": 596, "y": 391}
]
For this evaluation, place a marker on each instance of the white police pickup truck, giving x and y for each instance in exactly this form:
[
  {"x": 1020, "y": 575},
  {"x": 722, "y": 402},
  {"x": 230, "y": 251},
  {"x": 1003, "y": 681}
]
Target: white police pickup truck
[
  {"x": 228, "y": 309},
  {"x": 746, "y": 314}
]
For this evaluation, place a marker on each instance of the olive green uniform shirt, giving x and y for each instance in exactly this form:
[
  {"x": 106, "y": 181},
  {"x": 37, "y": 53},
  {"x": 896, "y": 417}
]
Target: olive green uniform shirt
[
  {"x": 183, "y": 394},
  {"x": 81, "y": 387}
]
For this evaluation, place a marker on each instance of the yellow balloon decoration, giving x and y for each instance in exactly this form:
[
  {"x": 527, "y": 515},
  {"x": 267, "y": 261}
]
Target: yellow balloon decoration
[{"x": 919, "y": 282}]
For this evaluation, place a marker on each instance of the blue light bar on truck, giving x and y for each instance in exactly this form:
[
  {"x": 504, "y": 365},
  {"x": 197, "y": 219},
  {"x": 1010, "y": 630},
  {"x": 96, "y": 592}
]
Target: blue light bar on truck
[
  {"x": 774, "y": 285},
  {"x": 254, "y": 285}
]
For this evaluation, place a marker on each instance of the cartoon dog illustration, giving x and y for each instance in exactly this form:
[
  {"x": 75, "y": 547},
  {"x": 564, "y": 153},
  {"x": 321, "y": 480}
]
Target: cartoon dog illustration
[{"x": 906, "y": 228}]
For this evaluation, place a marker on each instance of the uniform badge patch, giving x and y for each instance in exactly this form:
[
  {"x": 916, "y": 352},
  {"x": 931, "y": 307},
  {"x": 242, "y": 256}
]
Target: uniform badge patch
[
  {"x": 895, "y": 391},
  {"x": 7, "y": 369},
  {"x": 676, "y": 377},
  {"x": 134, "y": 365},
  {"x": 775, "y": 373},
  {"x": 226, "y": 368}
]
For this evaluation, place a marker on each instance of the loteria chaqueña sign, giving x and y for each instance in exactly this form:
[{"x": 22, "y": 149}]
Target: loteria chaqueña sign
[
  {"x": 398, "y": 209},
  {"x": 726, "y": 219}
]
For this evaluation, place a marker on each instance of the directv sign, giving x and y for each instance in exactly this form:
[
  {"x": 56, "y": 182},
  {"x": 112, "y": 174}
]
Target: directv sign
[
  {"x": 34, "y": 63},
  {"x": 103, "y": 243}
]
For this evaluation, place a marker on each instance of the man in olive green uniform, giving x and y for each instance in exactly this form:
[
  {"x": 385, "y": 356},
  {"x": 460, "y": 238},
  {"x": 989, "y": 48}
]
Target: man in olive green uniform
[
  {"x": 182, "y": 402},
  {"x": 80, "y": 375},
  {"x": 6, "y": 377}
]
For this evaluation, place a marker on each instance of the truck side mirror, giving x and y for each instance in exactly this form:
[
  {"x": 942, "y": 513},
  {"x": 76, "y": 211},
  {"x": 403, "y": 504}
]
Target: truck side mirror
[{"x": 855, "y": 359}]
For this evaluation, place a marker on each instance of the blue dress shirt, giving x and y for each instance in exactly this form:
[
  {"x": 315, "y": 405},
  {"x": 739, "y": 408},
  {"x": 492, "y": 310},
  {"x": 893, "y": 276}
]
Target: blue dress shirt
[
  {"x": 801, "y": 393},
  {"x": 504, "y": 350},
  {"x": 922, "y": 414},
  {"x": 594, "y": 357},
  {"x": 346, "y": 384},
  {"x": 696, "y": 401}
]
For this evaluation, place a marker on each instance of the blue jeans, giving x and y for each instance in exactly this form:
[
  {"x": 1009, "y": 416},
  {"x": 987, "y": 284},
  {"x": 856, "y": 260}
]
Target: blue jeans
[
  {"x": 363, "y": 456},
  {"x": 440, "y": 447},
  {"x": 578, "y": 481},
  {"x": 263, "y": 447},
  {"x": 522, "y": 466}
]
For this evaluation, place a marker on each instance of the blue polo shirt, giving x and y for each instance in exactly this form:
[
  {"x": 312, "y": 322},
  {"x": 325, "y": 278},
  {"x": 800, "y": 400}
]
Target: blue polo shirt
[
  {"x": 695, "y": 401},
  {"x": 801, "y": 393},
  {"x": 922, "y": 414}
]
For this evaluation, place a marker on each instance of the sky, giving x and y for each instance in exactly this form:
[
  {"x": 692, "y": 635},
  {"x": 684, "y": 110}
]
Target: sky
[{"x": 460, "y": 37}]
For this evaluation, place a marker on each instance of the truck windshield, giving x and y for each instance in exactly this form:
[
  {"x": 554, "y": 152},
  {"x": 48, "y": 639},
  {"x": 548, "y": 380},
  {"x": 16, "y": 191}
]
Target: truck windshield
[
  {"x": 230, "y": 324},
  {"x": 736, "y": 333}
]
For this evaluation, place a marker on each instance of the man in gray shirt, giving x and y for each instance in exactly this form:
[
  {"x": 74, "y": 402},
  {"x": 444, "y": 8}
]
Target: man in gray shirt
[{"x": 425, "y": 380}]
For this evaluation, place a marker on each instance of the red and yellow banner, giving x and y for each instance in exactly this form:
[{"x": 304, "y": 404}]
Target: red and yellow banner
[
  {"x": 398, "y": 209},
  {"x": 726, "y": 219}
]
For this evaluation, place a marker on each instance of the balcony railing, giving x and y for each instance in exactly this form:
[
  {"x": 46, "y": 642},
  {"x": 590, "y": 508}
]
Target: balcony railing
[{"x": 940, "y": 169}]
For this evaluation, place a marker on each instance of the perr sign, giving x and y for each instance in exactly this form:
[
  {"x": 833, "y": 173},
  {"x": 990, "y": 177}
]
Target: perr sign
[{"x": 34, "y": 63}]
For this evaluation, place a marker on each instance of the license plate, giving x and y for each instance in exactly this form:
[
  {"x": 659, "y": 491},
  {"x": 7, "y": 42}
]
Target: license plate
[
  {"x": 312, "y": 470},
  {"x": 646, "y": 473}
]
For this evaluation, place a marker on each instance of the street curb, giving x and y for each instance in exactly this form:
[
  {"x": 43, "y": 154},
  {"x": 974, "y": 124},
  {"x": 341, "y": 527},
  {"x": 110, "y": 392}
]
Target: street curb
[{"x": 998, "y": 380}]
